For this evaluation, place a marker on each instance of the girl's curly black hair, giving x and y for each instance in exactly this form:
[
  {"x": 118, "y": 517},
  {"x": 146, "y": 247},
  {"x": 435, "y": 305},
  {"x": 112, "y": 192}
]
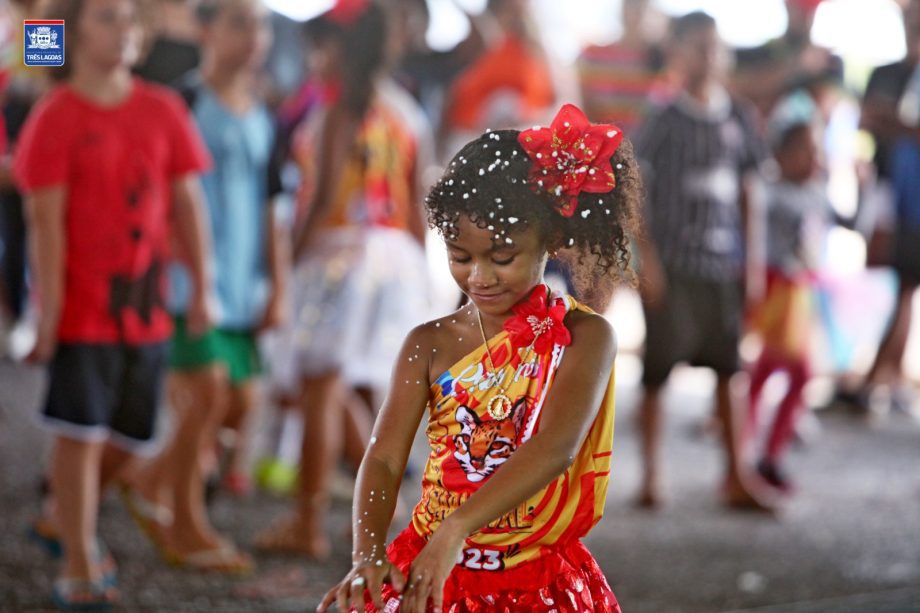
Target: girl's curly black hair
[{"x": 487, "y": 182}]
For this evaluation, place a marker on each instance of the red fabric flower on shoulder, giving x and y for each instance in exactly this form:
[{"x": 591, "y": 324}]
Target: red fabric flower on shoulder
[
  {"x": 538, "y": 322},
  {"x": 572, "y": 156}
]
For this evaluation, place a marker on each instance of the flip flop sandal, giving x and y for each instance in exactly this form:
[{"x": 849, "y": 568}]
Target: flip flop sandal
[
  {"x": 149, "y": 517},
  {"x": 83, "y": 595},
  {"x": 107, "y": 565},
  {"x": 748, "y": 503},
  {"x": 225, "y": 559},
  {"x": 46, "y": 537}
]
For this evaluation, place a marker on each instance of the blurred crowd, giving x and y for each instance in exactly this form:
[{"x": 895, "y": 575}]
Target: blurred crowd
[{"x": 258, "y": 233}]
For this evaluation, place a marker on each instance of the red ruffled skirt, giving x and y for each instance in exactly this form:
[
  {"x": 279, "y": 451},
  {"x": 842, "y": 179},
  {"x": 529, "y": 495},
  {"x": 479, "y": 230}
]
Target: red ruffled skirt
[{"x": 566, "y": 579}]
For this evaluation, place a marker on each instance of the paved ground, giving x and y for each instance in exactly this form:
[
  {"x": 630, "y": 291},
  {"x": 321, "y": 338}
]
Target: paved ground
[{"x": 849, "y": 541}]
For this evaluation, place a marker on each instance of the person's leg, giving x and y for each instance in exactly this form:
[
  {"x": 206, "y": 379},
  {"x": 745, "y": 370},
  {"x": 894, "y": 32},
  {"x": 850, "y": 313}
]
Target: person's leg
[
  {"x": 206, "y": 389},
  {"x": 78, "y": 409},
  {"x": 75, "y": 485},
  {"x": 886, "y": 368},
  {"x": 357, "y": 427},
  {"x": 668, "y": 334},
  {"x": 190, "y": 540},
  {"x": 737, "y": 489},
  {"x": 322, "y": 403},
  {"x": 368, "y": 396},
  {"x": 112, "y": 465},
  {"x": 322, "y": 447},
  {"x": 241, "y": 354},
  {"x": 763, "y": 368},
  {"x": 194, "y": 388},
  {"x": 241, "y": 406},
  {"x": 112, "y": 461},
  {"x": 717, "y": 316},
  {"x": 650, "y": 437},
  {"x": 787, "y": 412},
  {"x": 152, "y": 480},
  {"x": 173, "y": 482}
]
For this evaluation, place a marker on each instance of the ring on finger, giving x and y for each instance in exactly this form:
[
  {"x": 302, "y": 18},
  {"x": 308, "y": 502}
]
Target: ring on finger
[{"x": 358, "y": 582}]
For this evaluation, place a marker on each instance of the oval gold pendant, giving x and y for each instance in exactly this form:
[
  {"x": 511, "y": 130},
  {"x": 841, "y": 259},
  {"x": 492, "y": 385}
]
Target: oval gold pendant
[{"x": 504, "y": 407}]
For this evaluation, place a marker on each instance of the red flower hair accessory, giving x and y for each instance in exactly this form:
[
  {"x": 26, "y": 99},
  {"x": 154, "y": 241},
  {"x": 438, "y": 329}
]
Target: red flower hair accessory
[
  {"x": 537, "y": 322},
  {"x": 346, "y": 12},
  {"x": 572, "y": 156}
]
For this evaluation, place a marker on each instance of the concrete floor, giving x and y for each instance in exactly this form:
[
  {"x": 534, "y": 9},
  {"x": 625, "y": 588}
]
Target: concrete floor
[{"x": 848, "y": 541}]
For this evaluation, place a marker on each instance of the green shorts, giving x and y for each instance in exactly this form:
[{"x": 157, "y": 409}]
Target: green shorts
[{"x": 235, "y": 349}]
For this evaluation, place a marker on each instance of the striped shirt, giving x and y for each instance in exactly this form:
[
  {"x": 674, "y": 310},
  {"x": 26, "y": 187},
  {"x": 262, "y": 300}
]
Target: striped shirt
[
  {"x": 617, "y": 82},
  {"x": 693, "y": 160}
]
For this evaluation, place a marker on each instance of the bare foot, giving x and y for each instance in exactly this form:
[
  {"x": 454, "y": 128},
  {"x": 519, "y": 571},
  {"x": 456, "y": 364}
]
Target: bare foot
[
  {"x": 224, "y": 558},
  {"x": 746, "y": 497},
  {"x": 279, "y": 583},
  {"x": 649, "y": 493},
  {"x": 182, "y": 541},
  {"x": 293, "y": 535},
  {"x": 648, "y": 500}
]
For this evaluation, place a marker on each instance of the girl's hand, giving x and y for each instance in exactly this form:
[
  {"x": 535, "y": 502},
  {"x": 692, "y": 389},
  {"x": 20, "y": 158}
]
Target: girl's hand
[
  {"x": 45, "y": 344},
  {"x": 653, "y": 281},
  {"x": 199, "y": 316},
  {"x": 275, "y": 314},
  {"x": 431, "y": 568},
  {"x": 653, "y": 284},
  {"x": 366, "y": 575}
]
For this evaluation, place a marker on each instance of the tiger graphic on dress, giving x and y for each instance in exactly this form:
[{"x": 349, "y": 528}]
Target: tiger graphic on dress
[{"x": 483, "y": 446}]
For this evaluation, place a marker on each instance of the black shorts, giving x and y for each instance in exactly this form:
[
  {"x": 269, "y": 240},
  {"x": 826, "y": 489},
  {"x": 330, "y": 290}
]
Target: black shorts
[
  {"x": 105, "y": 392},
  {"x": 698, "y": 322}
]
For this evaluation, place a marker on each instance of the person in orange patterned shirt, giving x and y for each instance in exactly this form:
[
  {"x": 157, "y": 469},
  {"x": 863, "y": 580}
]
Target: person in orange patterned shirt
[
  {"x": 357, "y": 284},
  {"x": 509, "y": 84}
]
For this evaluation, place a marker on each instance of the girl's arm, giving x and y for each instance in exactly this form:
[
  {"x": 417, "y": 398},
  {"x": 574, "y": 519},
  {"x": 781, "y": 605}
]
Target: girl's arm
[
  {"x": 278, "y": 247},
  {"x": 570, "y": 409},
  {"x": 45, "y": 209},
  {"x": 653, "y": 281},
  {"x": 380, "y": 475},
  {"x": 754, "y": 227},
  {"x": 337, "y": 134},
  {"x": 195, "y": 241}
]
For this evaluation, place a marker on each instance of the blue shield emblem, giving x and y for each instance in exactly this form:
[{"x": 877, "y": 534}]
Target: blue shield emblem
[{"x": 43, "y": 42}]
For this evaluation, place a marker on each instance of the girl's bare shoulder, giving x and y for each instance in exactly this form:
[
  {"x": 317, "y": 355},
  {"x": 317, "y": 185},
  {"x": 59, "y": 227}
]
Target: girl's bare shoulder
[
  {"x": 591, "y": 333},
  {"x": 447, "y": 339}
]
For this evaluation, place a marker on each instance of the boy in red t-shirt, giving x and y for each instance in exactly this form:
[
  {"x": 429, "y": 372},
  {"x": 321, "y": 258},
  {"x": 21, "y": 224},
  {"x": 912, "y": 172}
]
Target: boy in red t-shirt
[{"x": 109, "y": 165}]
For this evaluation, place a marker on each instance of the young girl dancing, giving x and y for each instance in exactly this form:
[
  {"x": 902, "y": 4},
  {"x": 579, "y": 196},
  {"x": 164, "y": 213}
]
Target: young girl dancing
[{"x": 518, "y": 386}]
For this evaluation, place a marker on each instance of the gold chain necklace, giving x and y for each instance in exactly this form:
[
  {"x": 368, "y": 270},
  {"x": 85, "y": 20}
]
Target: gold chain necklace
[{"x": 502, "y": 399}]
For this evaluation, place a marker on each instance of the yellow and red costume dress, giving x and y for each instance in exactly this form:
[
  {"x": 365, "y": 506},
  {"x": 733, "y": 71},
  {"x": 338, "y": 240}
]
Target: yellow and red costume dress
[{"x": 531, "y": 558}]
